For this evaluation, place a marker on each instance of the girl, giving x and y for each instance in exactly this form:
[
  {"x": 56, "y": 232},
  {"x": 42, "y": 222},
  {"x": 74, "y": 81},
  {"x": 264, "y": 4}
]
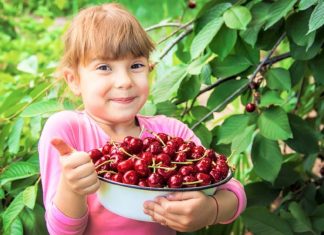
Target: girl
[{"x": 106, "y": 63}]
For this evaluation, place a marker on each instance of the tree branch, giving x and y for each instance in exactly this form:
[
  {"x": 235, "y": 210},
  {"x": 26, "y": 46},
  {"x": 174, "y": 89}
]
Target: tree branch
[
  {"x": 242, "y": 88},
  {"x": 176, "y": 40},
  {"x": 162, "y": 25},
  {"x": 176, "y": 31}
]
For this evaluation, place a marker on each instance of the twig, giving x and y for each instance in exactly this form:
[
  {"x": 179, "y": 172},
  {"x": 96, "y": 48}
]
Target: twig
[
  {"x": 242, "y": 88},
  {"x": 299, "y": 94},
  {"x": 176, "y": 31},
  {"x": 161, "y": 25},
  {"x": 278, "y": 58},
  {"x": 176, "y": 40}
]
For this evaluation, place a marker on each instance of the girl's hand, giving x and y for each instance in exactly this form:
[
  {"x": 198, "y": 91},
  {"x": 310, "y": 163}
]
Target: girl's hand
[
  {"x": 78, "y": 171},
  {"x": 182, "y": 211}
]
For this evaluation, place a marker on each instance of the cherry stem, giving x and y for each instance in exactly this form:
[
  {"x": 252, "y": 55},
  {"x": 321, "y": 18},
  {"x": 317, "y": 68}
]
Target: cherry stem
[
  {"x": 162, "y": 167},
  {"x": 104, "y": 171},
  {"x": 103, "y": 163},
  {"x": 158, "y": 137},
  {"x": 198, "y": 159},
  {"x": 193, "y": 182},
  {"x": 182, "y": 163},
  {"x": 185, "y": 150}
]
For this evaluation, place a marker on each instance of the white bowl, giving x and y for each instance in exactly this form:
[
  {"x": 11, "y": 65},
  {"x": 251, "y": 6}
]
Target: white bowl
[{"x": 127, "y": 200}]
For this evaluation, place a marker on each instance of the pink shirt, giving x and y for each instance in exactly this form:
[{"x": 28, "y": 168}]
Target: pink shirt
[{"x": 83, "y": 134}]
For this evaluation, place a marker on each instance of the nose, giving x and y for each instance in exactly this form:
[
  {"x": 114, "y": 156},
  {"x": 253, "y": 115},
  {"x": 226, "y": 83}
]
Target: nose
[{"x": 123, "y": 80}]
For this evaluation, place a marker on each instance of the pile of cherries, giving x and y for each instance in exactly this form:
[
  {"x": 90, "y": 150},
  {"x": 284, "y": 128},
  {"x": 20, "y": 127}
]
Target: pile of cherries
[{"x": 159, "y": 161}]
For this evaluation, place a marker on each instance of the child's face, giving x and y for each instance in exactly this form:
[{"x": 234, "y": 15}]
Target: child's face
[{"x": 114, "y": 91}]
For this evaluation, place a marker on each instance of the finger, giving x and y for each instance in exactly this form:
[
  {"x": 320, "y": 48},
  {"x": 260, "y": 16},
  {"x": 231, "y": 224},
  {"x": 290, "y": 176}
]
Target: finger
[
  {"x": 84, "y": 170},
  {"x": 75, "y": 160},
  {"x": 62, "y": 147},
  {"x": 92, "y": 188},
  {"x": 181, "y": 196}
]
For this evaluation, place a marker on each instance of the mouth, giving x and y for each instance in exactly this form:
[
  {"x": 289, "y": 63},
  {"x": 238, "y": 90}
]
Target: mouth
[{"x": 122, "y": 100}]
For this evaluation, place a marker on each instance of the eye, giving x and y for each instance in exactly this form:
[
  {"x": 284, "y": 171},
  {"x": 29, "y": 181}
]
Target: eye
[
  {"x": 103, "y": 67},
  {"x": 137, "y": 66}
]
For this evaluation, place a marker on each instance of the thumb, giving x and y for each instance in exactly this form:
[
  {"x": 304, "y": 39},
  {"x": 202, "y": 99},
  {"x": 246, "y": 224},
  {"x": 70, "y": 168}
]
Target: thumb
[
  {"x": 181, "y": 196},
  {"x": 62, "y": 147}
]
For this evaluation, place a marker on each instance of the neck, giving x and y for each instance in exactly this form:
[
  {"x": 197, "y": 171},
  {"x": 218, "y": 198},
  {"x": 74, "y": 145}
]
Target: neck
[{"x": 118, "y": 131}]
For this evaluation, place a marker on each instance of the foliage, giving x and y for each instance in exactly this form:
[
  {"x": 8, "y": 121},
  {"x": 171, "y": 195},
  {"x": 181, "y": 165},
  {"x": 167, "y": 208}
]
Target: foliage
[{"x": 210, "y": 63}]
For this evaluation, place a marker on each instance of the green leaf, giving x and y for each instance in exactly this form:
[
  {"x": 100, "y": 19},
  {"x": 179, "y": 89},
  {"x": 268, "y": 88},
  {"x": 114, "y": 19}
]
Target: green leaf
[
  {"x": 42, "y": 107},
  {"x": 196, "y": 66},
  {"x": 12, "y": 99},
  {"x": 270, "y": 98},
  {"x": 316, "y": 65},
  {"x": 262, "y": 222},
  {"x": 274, "y": 124},
  {"x": 204, "y": 135},
  {"x": 218, "y": 46},
  {"x": 237, "y": 17},
  {"x": 60, "y": 4},
  {"x": 243, "y": 140},
  {"x": 29, "y": 65},
  {"x": 232, "y": 126},
  {"x": 210, "y": 12},
  {"x": 304, "y": 138},
  {"x": 165, "y": 87},
  {"x": 305, "y": 4},
  {"x": 305, "y": 53},
  {"x": 297, "y": 26},
  {"x": 12, "y": 212},
  {"x": 266, "y": 158},
  {"x": 231, "y": 65},
  {"x": 304, "y": 224},
  {"x": 18, "y": 170},
  {"x": 278, "y": 10},
  {"x": 188, "y": 88},
  {"x": 148, "y": 109},
  {"x": 278, "y": 78},
  {"x": 223, "y": 91},
  {"x": 205, "y": 36},
  {"x": 245, "y": 50},
  {"x": 287, "y": 175},
  {"x": 14, "y": 137},
  {"x": 16, "y": 228},
  {"x": 297, "y": 72},
  {"x": 30, "y": 195},
  {"x": 33, "y": 217},
  {"x": 205, "y": 75},
  {"x": 260, "y": 193},
  {"x": 167, "y": 108},
  {"x": 317, "y": 20},
  {"x": 199, "y": 112},
  {"x": 260, "y": 14},
  {"x": 318, "y": 218}
]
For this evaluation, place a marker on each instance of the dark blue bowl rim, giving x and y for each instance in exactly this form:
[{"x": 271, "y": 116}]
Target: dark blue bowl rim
[{"x": 199, "y": 188}]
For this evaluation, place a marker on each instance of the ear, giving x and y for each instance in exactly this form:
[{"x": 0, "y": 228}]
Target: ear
[{"x": 73, "y": 81}]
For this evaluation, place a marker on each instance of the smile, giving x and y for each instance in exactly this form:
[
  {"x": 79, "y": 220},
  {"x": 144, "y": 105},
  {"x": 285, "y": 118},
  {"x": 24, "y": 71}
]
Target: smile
[{"x": 123, "y": 100}]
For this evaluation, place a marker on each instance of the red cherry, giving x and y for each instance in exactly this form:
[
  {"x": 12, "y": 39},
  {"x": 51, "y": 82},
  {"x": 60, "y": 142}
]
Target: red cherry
[
  {"x": 127, "y": 139},
  {"x": 108, "y": 175},
  {"x": 106, "y": 148},
  {"x": 222, "y": 168},
  {"x": 117, "y": 177},
  {"x": 180, "y": 157},
  {"x": 164, "y": 158},
  {"x": 211, "y": 154},
  {"x": 206, "y": 178},
  {"x": 192, "y": 4},
  {"x": 170, "y": 150},
  {"x": 147, "y": 156},
  {"x": 130, "y": 177},
  {"x": 175, "y": 181},
  {"x": 135, "y": 145},
  {"x": 189, "y": 179},
  {"x": 125, "y": 165},
  {"x": 147, "y": 141},
  {"x": 95, "y": 154},
  {"x": 217, "y": 176},
  {"x": 188, "y": 170},
  {"x": 155, "y": 180},
  {"x": 250, "y": 107},
  {"x": 155, "y": 148},
  {"x": 142, "y": 168},
  {"x": 204, "y": 165},
  {"x": 142, "y": 183},
  {"x": 164, "y": 137},
  {"x": 117, "y": 158},
  {"x": 168, "y": 172}
]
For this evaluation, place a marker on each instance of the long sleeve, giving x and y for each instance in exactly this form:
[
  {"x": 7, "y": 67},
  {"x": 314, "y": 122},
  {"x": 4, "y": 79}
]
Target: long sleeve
[{"x": 59, "y": 125}]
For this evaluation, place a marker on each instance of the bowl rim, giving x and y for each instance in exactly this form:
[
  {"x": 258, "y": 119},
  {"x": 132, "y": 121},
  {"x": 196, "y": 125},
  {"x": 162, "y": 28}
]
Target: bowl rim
[{"x": 165, "y": 189}]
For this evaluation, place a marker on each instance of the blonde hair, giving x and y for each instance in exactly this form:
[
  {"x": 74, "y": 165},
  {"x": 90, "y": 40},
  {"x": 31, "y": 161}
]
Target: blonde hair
[{"x": 104, "y": 32}]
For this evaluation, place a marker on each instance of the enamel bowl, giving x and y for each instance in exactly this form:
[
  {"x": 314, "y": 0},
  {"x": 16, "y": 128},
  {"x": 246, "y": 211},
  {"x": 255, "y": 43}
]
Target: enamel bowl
[{"x": 127, "y": 200}]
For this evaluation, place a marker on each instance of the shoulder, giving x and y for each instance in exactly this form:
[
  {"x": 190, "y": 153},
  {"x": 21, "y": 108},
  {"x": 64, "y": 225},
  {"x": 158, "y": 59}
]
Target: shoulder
[
  {"x": 64, "y": 117},
  {"x": 160, "y": 120}
]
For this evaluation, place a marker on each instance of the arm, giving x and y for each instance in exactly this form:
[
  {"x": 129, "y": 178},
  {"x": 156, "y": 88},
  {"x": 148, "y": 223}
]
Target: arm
[{"x": 58, "y": 219}]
